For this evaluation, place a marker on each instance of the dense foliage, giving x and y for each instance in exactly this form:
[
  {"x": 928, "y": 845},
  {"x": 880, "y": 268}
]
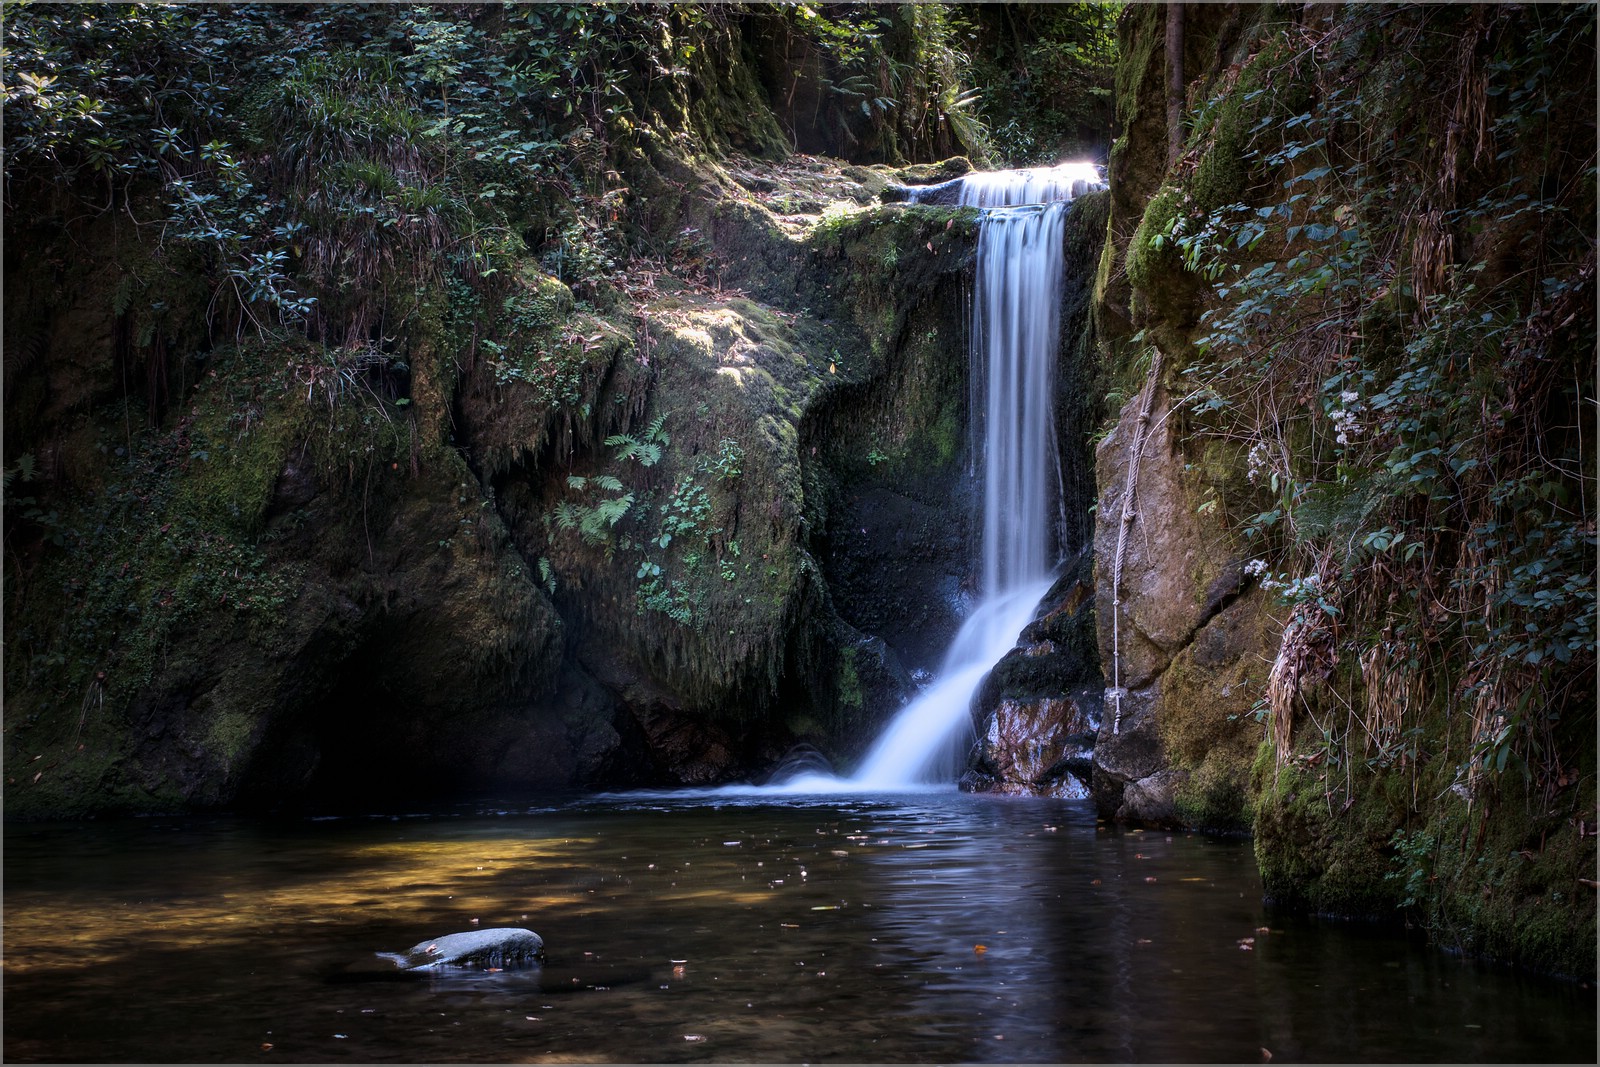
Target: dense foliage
[
  {"x": 1045, "y": 72},
  {"x": 320, "y": 159},
  {"x": 1409, "y": 375},
  {"x": 1375, "y": 265}
]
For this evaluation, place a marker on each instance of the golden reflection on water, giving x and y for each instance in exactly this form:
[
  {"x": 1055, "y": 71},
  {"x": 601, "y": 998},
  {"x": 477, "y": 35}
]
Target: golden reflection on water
[
  {"x": 394, "y": 881},
  {"x": 398, "y": 880}
]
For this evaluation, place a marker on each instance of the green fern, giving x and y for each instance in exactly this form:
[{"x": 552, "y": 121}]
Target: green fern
[
  {"x": 614, "y": 509},
  {"x": 647, "y": 453},
  {"x": 22, "y": 470},
  {"x": 568, "y": 514},
  {"x": 594, "y": 527},
  {"x": 594, "y": 521},
  {"x": 646, "y": 448}
]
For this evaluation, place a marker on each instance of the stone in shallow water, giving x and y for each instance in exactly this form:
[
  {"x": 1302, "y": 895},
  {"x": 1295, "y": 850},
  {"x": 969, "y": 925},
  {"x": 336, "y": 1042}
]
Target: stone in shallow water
[{"x": 505, "y": 946}]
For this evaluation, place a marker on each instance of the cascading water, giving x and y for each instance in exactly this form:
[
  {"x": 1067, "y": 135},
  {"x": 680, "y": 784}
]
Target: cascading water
[{"x": 1016, "y": 323}]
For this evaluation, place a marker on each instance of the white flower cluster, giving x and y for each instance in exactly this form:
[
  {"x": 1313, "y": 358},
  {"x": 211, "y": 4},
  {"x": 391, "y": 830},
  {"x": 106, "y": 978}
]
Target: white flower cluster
[
  {"x": 1292, "y": 588},
  {"x": 1257, "y": 568},
  {"x": 1257, "y": 461},
  {"x": 1345, "y": 424}
]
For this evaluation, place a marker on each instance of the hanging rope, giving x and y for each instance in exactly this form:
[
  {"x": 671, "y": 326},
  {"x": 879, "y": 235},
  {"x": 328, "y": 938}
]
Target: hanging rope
[{"x": 1140, "y": 429}]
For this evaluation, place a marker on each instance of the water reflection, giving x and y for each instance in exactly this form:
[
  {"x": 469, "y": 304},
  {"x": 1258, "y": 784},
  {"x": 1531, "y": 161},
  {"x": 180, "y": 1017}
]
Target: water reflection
[{"x": 927, "y": 926}]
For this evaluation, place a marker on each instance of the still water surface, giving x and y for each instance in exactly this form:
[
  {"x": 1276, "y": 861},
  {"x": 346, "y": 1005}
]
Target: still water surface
[{"x": 911, "y": 928}]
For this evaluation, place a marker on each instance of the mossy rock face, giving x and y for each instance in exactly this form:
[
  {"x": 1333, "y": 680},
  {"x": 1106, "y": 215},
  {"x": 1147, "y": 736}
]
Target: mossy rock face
[
  {"x": 730, "y": 108},
  {"x": 1486, "y": 866},
  {"x": 244, "y": 665},
  {"x": 1517, "y": 890},
  {"x": 1166, "y": 292},
  {"x": 543, "y": 379},
  {"x": 1320, "y": 848},
  {"x": 1178, "y": 563},
  {"x": 1208, "y": 723},
  {"x": 1137, "y": 162},
  {"x": 885, "y": 449},
  {"x": 237, "y": 570},
  {"x": 934, "y": 173},
  {"x": 697, "y": 534},
  {"x": 697, "y": 579}
]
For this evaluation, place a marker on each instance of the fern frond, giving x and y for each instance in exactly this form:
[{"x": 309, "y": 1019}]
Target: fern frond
[
  {"x": 613, "y": 510},
  {"x": 23, "y": 469},
  {"x": 648, "y": 455},
  {"x": 568, "y": 515}
]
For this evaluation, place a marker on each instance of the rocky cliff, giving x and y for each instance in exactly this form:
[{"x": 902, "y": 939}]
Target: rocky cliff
[
  {"x": 473, "y": 400},
  {"x": 1344, "y": 541}
]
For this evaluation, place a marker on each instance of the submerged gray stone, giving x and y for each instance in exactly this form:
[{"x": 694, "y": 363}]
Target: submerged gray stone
[{"x": 504, "y": 946}]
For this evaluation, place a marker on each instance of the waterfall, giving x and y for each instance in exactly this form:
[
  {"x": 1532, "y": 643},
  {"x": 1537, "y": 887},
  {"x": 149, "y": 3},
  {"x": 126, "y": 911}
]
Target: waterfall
[{"x": 1016, "y": 325}]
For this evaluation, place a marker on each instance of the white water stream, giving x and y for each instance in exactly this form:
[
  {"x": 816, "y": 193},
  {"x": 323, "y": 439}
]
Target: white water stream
[{"x": 1016, "y": 324}]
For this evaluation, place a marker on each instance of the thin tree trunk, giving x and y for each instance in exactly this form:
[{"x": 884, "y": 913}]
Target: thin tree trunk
[{"x": 1175, "y": 90}]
